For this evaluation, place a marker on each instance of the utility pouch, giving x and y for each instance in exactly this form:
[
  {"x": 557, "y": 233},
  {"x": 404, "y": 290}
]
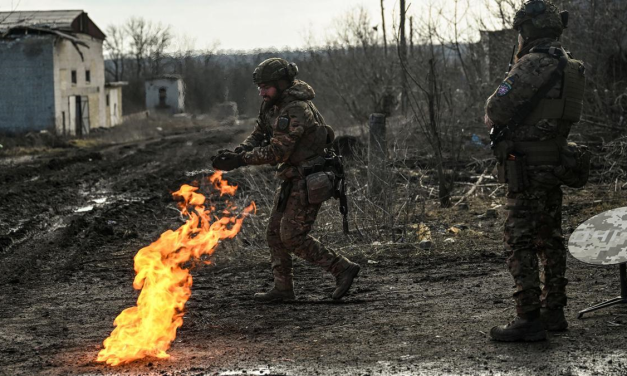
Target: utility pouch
[
  {"x": 302, "y": 189},
  {"x": 501, "y": 150},
  {"x": 575, "y": 167},
  {"x": 500, "y": 171},
  {"x": 320, "y": 187},
  {"x": 516, "y": 173}
]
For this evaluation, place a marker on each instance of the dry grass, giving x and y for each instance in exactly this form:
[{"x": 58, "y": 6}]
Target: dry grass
[{"x": 130, "y": 131}]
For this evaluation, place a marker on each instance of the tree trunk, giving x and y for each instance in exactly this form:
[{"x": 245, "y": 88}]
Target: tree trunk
[
  {"x": 444, "y": 189},
  {"x": 403, "y": 56},
  {"x": 411, "y": 35},
  {"x": 385, "y": 39}
]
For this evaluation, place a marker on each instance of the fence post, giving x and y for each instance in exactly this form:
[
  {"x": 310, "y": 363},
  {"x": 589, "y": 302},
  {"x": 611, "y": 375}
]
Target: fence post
[{"x": 377, "y": 154}]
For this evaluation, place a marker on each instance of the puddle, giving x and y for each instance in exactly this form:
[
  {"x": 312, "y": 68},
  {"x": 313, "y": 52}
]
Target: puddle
[
  {"x": 84, "y": 209},
  {"x": 97, "y": 201},
  {"x": 16, "y": 160}
]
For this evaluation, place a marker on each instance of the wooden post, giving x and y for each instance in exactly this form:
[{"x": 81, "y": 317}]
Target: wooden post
[{"x": 377, "y": 154}]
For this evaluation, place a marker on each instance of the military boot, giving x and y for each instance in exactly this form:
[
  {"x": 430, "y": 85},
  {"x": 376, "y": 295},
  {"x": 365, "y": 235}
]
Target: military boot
[
  {"x": 553, "y": 319},
  {"x": 344, "y": 279},
  {"x": 283, "y": 290},
  {"x": 525, "y": 328},
  {"x": 275, "y": 295}
]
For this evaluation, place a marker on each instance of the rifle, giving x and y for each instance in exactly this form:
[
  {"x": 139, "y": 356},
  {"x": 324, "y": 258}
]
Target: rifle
[{"x": 337, "y": 164}]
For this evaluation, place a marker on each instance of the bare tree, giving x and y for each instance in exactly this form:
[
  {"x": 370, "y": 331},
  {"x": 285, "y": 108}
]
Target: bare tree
[
  {"x": 403, "y": 56},
  {"x": 147, "y": 40},
  {"x": 159, "y": 41},
  {"x": 437, "y": 105},
  {"x": 138, "y": 29},
  {"x": 116, "y": 46},
  {"x": 503, "y": 10},
  {"x": 352, "y": 67},
  {"x": 459, "y": 38}
]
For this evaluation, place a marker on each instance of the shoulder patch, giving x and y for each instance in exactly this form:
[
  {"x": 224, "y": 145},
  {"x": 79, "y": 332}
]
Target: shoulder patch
[
  {"x": 505, "y": 86},
  {"x": 283, "y": 123}
]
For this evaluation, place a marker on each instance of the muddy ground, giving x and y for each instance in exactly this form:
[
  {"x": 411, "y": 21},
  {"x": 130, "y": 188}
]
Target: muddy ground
[{"x": 72, "y": 218}]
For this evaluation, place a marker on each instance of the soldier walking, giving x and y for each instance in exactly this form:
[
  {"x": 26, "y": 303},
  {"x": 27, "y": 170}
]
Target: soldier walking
[
  {"x": 291, "y": 132},
  {"x": 531, "y": 114}
]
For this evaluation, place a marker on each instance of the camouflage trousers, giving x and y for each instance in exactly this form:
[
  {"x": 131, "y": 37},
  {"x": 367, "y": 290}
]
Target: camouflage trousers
[
  {"x": 288, "y": 233},
  {"x": 533, "y": 230}
]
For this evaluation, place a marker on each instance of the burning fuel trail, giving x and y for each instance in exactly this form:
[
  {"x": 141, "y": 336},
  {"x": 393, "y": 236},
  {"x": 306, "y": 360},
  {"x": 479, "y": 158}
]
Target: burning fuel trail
[{"x": 165, "y": 282}]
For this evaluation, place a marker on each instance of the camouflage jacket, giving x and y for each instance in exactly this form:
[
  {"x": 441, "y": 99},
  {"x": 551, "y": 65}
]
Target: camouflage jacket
[
  {"x": 300, "y": 136},
  {"x": 528, "y": 74}
]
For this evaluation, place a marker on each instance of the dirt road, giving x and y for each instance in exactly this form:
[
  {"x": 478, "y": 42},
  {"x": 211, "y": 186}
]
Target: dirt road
[{"x": 71, "y": 222}]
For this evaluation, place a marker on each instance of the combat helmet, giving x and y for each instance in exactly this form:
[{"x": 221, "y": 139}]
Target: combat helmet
[
  {"x": 540, "y": 18},
  {"x": 274, "y": 69}
]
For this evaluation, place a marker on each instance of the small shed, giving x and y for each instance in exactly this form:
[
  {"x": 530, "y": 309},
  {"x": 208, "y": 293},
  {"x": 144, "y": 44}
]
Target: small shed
[
  {"x": 165, "y": 94},
  {"x": 113, "y": 102},
  {"x": 51, "y": 72}
]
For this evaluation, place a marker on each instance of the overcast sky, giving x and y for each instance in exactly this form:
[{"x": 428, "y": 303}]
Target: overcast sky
[{"x": 234, "y": 24}]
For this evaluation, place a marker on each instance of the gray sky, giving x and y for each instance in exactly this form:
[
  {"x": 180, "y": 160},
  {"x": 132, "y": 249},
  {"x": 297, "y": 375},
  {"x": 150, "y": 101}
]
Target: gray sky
[{"x": 234, "y": 24}]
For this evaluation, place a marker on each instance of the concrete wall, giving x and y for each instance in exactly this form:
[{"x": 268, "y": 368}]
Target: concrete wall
[
  {"x": 175, "y": 95},
  {"x": 27, "y": 97},
  {"x": 66, "y": 60},
  {"x": 114, "y": 106}
]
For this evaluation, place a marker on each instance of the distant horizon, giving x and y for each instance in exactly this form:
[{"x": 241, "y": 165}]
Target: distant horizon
[{"x": 245, "y": 27}]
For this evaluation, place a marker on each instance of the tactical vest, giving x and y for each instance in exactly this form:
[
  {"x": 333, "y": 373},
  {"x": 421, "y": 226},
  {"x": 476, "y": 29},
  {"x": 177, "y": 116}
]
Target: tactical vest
[
  {"x": 570, "y": 102},
  {"x": 313, "y": 143}
]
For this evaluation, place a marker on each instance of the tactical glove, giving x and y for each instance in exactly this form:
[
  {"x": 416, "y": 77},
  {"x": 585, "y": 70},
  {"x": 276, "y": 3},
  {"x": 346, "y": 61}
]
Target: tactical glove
[
  {"x": 237, "y": 150},
  {"x": 228, "y": 161}
]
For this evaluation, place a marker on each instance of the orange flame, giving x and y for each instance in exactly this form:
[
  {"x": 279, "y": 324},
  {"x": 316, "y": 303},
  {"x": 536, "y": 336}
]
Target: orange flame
[{"x": 149, "y": 328}]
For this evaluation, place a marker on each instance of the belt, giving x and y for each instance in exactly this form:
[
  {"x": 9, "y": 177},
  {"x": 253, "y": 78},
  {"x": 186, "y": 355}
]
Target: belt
[{"x": 538, "y": 153}]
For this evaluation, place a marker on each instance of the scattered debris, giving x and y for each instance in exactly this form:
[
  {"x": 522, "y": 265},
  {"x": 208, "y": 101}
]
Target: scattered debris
[
  {"x": 425, "y": 244},
  {"x": 463, "y": 206}
]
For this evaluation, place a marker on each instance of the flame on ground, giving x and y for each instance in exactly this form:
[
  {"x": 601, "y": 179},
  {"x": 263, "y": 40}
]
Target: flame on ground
[{"x": 149, "y": 328}]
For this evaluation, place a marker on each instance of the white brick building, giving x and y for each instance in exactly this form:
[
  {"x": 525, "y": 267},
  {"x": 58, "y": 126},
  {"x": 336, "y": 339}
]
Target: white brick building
[{"x": 52, "y": 73}]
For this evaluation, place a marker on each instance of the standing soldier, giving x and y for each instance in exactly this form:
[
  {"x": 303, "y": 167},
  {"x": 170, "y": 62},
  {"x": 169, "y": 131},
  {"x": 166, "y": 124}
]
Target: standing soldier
[
  {"x": 531, "y": 114},
  {"x": 290, "y": 131}
]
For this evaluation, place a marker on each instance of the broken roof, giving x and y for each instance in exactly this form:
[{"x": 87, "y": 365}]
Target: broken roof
[
  {"x": 167, "y": 76},
  {"x": 73, "y": 21}
]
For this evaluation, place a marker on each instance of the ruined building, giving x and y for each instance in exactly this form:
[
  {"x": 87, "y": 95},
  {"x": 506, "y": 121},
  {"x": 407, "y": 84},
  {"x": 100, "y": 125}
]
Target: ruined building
[
  {"x": 165, "y": 94},
  {"x": 52, "y": 74}
]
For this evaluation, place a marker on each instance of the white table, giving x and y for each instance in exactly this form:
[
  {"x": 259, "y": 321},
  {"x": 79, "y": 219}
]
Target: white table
[{"x": 602, "y": 240}]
